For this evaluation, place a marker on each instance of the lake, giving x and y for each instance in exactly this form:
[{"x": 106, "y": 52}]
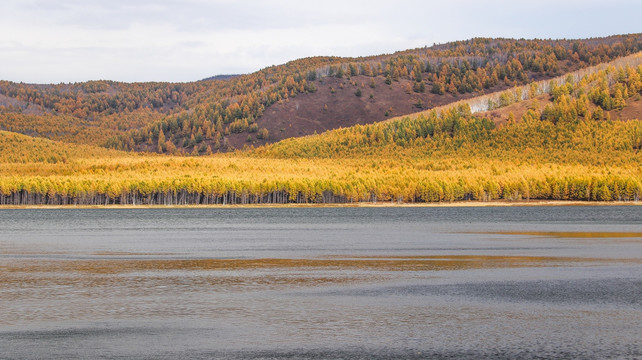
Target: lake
[{"x": 347, "y": 282}]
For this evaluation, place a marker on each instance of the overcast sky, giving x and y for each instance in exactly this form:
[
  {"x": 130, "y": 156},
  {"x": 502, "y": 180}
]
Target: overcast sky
[{"x": 52, "y": 41}]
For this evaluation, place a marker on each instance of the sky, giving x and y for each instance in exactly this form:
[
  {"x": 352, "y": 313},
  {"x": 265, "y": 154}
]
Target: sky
[{"x": 55, "y": 41}]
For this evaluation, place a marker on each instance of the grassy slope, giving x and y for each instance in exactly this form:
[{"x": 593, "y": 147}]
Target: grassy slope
[{"x": 19, "y": 148}]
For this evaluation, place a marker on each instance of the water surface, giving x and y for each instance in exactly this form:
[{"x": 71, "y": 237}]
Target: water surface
[{"x": 525, "y": 282}]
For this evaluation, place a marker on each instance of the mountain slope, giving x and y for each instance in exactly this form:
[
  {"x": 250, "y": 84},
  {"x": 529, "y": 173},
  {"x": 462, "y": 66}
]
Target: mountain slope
[
  {"x": 425, "y": 77},
  {"x": 290, "y": 99},
  {"x": 591, "y": 96}
]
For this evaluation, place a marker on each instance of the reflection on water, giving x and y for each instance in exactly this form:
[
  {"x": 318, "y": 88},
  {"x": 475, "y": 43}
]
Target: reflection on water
[
  {"x": 574, "y": 234},
  {"x": 389, "y": 263},
  {"x": 321, "y": 283}
]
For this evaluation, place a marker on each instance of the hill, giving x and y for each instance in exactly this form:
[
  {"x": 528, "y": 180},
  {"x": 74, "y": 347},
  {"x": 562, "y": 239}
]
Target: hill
[
  {"x": 295, "y": 99},
  {"x": 567, "y": 146}
]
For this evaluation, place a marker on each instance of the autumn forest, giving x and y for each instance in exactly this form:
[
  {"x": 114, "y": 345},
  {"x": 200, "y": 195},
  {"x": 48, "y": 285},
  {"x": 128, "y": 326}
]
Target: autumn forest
[{"x": 477, "y": 120}]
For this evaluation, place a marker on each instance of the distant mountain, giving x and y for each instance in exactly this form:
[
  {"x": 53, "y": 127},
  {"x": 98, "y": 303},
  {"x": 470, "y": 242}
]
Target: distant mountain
[{"x": 222, "y": 77}]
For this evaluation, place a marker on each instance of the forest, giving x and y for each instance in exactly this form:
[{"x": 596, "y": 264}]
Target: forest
[
  {"x": 566, "y": 146},
  {"x": 204, "y": 117}
]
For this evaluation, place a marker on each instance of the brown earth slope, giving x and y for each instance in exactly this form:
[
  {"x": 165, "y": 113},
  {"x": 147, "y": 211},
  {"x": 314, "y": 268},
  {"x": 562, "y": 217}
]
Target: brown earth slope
[{"x": 336, "y": 104}]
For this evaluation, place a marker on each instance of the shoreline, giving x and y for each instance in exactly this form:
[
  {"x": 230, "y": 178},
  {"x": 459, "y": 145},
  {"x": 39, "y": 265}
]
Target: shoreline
[{"x": 349, "y": 205}]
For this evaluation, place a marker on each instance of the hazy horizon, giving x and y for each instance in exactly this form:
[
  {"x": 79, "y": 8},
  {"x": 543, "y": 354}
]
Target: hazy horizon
[{"x": 137, "y": 41}]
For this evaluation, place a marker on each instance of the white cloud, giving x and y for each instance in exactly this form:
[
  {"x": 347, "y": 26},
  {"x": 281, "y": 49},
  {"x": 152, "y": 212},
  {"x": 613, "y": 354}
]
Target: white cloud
[{"x": 144, "y": 40}]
